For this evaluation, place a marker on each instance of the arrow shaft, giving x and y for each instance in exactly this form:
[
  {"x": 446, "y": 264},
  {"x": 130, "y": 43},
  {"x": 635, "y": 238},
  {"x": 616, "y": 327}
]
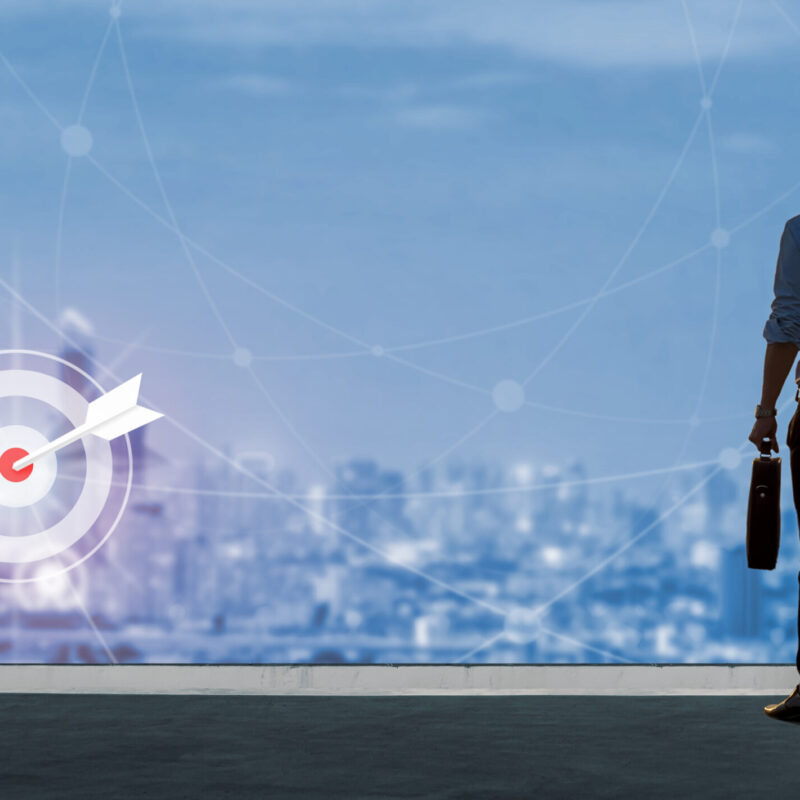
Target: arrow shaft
[{"x": 62, "y": 441}]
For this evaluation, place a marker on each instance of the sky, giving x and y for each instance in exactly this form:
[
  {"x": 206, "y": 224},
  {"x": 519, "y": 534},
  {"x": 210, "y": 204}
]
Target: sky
[{"x": 397, "y": 208}]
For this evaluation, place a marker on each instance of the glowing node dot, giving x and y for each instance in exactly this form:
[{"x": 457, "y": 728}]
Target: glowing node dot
[
  {"x": 7, "y": 460},
  {"x": 694, "y": 420},
  {"x": 705, "y": 102},
  {"x": 242, "y": 357},
  {"x": 115, "y": 10},
  {"x": 730, "y": 458},
  {"x": 508, "y": 395},
  {"x": 720, "y": 238},
  {"x": 76, "y": 140},
  {"x": 377, "y": 350}
]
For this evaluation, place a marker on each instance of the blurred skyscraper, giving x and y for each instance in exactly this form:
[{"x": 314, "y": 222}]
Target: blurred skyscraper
[
  {"x": 741, "y": 596},
  {"x": 78, "y": 348}
]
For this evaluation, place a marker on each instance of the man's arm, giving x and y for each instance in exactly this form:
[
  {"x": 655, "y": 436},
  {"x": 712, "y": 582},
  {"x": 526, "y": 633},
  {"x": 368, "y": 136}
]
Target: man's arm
[{"x": 778, "y": 360}]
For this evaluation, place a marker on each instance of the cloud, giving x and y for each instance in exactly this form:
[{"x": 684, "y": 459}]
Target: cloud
[
  {"x": 401, "y": 92},
  {"x": 439, "y": 117},
  {"x": 585, "y": 33},
  {"x": 494, "y": 79},
  {"x": 746, "y": 143},
  {"x": 256, "y": 84},
  {"x": 408, "y": 91}
]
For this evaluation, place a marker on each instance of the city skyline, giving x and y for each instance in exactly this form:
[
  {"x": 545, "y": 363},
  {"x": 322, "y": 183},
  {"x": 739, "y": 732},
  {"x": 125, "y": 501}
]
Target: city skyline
[{"x": 451, "y": 256}]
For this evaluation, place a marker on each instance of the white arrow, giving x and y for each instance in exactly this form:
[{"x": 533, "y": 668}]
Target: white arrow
[{"x": 109, "y": 416}]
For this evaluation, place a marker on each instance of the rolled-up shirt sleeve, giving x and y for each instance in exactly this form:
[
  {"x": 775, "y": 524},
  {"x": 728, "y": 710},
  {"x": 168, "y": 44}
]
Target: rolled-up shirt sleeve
[{"x": 783, "y": 324}]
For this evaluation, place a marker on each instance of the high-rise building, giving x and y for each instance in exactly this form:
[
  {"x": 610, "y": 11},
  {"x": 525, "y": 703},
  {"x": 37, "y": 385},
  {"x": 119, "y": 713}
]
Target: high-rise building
[
  {"x": 741, "y": 598},
  {"x": 78, "y": 349}
]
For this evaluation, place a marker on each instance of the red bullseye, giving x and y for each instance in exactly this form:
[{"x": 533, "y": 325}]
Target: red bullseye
[{"x": 8, "y": 459}]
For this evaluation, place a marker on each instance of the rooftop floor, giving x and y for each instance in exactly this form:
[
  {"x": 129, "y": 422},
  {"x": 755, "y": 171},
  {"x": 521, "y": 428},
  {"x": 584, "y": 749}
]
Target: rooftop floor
[{"x": 431, "y": 745}]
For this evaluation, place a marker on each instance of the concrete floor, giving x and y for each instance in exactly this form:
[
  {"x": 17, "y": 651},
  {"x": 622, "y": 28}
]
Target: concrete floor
[{"x": 111, "y": 746}]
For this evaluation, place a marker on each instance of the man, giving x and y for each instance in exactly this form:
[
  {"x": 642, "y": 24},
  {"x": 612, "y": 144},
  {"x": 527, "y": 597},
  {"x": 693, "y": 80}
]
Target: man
[{"x": 782, "y": 332}]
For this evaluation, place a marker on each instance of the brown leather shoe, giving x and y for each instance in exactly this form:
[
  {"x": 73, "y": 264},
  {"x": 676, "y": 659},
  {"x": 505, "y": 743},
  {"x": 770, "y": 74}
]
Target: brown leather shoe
[{"x": 787, "y": 710}]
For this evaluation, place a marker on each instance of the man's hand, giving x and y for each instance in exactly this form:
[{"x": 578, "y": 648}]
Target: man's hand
[{"x": 765, "y": 428}]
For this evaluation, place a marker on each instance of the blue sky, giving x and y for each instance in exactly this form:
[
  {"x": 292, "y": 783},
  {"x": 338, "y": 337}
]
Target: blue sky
[{"x": 406, "y": 172}]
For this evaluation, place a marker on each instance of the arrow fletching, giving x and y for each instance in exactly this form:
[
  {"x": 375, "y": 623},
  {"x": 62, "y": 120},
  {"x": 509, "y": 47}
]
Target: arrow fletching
[
  {"x": 126, "y": 422},
  {"x": 116, "y": 412}
]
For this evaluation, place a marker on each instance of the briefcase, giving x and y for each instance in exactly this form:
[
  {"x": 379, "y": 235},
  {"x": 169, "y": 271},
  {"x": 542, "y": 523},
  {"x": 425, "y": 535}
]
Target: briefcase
[{"x": 764, "y": 510}]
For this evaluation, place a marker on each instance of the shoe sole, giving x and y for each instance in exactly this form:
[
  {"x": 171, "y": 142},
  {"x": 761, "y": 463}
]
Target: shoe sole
[{"x": 794, "y": 717}]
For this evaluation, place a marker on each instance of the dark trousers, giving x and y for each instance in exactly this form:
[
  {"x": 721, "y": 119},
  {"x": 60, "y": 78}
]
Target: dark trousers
[{"x": 793, "y": 443}]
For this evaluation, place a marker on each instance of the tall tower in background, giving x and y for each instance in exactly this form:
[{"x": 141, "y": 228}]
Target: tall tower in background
[
  {"x": 132, "y": 573},
  {"x": 79, "y": 330}
]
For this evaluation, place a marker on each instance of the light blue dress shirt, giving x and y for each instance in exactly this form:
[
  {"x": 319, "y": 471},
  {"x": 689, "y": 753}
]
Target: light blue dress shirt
[{"x": 783, "y": 324}]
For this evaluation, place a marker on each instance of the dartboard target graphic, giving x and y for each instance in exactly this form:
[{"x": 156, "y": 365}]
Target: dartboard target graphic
[{"x": 56, "y": 512}]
